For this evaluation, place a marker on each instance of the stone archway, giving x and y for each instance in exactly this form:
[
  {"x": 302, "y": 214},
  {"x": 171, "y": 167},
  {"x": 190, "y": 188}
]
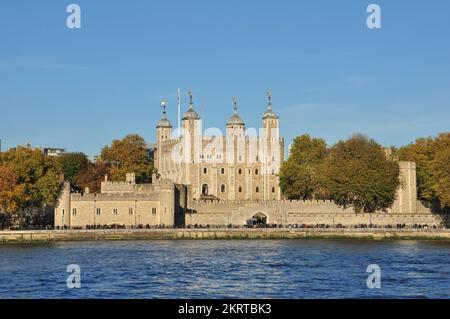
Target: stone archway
[{"x": 258, "y": 219}]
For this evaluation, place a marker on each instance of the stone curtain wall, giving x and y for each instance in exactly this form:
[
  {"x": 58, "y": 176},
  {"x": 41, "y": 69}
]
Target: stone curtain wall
[
  {"x": 405, "y": 210},
  {"x": 301, "y": 212}
]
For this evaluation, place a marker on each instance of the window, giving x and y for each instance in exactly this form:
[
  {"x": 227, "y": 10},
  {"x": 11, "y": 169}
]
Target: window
[
  {"x": 74, "y": 211},
  {"x": 222, "y": 188},
  {"x": 130, "y": 211},
  {"x": 154, "y": 211},
  {"x": 98, "y": 211},
  {"x": 256, "y": 158},
  {"x": 115, "y": 211},
  {"x": 257, "y": 189},
  {"x": 240, "y": 189},
  {"x": 205, "y": 170},
  {"x": 240, "y": 171},
  {"x": 256, "y": 171},
  {"x": 63, "y": 212},
  {"x": 222, "y": 171},
  {"x": 273, "y": 189}
]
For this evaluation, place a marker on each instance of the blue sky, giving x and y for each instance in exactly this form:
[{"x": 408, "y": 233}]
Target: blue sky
[{"x": 330, "y": 75}]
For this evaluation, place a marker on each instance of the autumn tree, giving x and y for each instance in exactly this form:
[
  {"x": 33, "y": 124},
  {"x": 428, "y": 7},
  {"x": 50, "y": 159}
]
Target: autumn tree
[
  {"x": 29, "y": 180},
  {"x": 301, "y": 176},
  {"x": 358, "y": 174},
  {"x": 91, "y": 177},
  {"x": 12, "y": 194},
  {"x": 432, "y": 158},
  {"x": 128, "y": 155}
]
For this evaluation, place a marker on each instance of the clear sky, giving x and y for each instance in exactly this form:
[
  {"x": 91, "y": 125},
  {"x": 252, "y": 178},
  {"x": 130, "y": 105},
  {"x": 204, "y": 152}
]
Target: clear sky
[{"x": 330, "y": 75}]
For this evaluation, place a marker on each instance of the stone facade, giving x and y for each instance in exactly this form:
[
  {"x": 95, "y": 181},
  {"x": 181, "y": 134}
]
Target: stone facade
[
  {"x": 210, "y": 179},
  {"x": 119, "y": 203},
  {"x": 241, "y": 165}
]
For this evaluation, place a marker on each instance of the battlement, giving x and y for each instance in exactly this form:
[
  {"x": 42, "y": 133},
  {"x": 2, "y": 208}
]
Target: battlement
[
  {"x": 264, "y": 202},
  {"x": 77, "y": 197}
]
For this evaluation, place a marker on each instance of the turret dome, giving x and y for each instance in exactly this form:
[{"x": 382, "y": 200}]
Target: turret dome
[
  {"x": 191, "y": 114},
  {"x": 164, "y": 121},
  {"x": 235, "y": 119},
  {"x": 269, "y": 114}
]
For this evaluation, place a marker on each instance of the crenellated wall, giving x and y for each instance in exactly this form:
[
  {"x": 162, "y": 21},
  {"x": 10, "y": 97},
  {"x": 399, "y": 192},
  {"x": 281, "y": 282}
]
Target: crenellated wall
[
  {"x": 166, "y": 203},
  {"x": 405, "y": 209},
  {"x": 301, "y": 212},
  {"x": 120, "y": 203}
]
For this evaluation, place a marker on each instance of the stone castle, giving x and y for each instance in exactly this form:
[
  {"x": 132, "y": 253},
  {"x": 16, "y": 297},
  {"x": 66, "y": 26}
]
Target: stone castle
[{"x": 215, "y": 180}]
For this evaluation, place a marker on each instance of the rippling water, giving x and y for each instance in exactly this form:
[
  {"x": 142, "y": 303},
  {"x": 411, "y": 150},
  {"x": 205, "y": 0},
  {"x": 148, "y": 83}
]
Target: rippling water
[{"x": 227, "y": 269}]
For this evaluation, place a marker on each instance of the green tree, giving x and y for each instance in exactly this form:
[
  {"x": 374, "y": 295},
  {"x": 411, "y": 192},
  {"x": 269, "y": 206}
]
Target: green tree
[
  {"x": 358, "y": 174},
  {"x": 422, "y": 153},
  {"x": 432, "y": 157},
  {"x": 300, "y": 175},
  {"x": 128, "y": 155},
  {"x": 72, "y": 164}
]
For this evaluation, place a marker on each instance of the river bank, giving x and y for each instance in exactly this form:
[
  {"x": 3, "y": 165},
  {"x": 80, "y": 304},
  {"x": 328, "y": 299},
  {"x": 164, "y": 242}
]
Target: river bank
[{"x": 40, "y": 236}]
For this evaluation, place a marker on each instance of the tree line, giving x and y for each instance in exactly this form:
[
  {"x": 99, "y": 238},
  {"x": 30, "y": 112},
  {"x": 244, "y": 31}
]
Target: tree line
[
  {"x": 30, "y": 181},
  {"x": 355, "y": 172},
  {"x": 361, "y": 173}
]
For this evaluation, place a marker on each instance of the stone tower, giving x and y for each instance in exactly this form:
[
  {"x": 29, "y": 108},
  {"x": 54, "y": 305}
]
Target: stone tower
[
  {"x": 192, "y": 135},
  {"x": 163, "y": 131},
  {"x": 62, "y": 210},
  {"x": 406, "y": 201},
  {"x": 271, "y": 150},
  {"x": 235, "y": 151}
]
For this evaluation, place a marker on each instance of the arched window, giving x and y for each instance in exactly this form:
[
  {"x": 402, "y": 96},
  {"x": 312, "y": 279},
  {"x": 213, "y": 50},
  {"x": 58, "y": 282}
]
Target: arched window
[
  {"x": 273, "y": 189},
  {"x": 257, "y": 189},
  {"x": 205, "y": 170},
  {"x": 205, "y": 189},
  {"x": 222, "y": 188},
  {"x": 240, "y": 189},
  {"x": 256, "y": 171},
  {"x": 239, "y": 171},
  {"x": 222, "y": 171}
]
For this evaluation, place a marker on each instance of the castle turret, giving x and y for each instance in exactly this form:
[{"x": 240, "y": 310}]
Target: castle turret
[
  {"x": 272, "y": 151},
  {"x": 235, "y": 124},
  {"x": 62, "y": 210},
  {"x": 192, "y": 138},
  {"x": 192, "y": 133},
  {"x": 164, "y": 131}
]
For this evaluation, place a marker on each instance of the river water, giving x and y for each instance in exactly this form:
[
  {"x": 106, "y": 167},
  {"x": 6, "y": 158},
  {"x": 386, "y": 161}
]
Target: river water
[{"x": 227, "y": 269}]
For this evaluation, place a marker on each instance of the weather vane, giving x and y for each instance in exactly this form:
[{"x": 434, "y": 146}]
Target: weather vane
[
  {"x": 235, "y": 103},
  {"x": 269, "y": 96},
  {"x": 190, "y": 98},
  {"x": 163, "y": 105}
]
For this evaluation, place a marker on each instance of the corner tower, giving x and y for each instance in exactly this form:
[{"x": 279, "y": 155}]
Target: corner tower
[
  {"x": 192, "y": 139},
  {"x": 272, "y": 151},
  {"x": 163, "y": 131}
]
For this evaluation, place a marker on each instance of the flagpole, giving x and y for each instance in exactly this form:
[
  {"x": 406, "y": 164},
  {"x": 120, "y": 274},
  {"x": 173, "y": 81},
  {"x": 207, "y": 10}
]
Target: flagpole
[{"x": 179, "y": 111}]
